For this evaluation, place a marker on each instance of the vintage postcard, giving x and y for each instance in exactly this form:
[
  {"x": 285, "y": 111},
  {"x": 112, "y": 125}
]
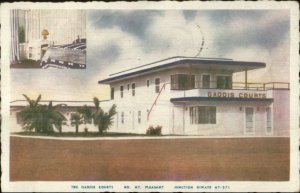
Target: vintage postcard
[{"x": 150, "y": 97}]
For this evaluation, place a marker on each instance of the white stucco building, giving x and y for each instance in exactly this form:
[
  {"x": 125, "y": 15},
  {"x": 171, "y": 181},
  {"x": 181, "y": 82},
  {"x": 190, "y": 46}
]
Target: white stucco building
[
  {"x": 187, "y": 96},
  {"x": 198, "y": 96}
]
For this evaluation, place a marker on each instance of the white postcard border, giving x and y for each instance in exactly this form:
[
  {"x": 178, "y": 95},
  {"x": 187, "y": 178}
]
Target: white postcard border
[{"x": 292, "y": 185}]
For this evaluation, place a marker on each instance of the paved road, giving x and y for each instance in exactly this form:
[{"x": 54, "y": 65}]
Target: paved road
[{"x": 150, "y": 159}]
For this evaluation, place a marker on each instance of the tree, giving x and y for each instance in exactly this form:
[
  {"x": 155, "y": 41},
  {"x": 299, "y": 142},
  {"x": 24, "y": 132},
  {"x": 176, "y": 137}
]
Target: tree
[
  {"x": 31, "y": 115},
  {"x": 76, "y": 120},
  {"x": 40, "y": 118},
  {"x": 58, "y": 118},
  {"x": 103, "y": 120},
  {"x": 86, "y": 114}
]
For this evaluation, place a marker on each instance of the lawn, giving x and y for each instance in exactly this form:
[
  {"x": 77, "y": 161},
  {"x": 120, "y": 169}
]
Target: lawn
[{"x": 195, "y": 159}]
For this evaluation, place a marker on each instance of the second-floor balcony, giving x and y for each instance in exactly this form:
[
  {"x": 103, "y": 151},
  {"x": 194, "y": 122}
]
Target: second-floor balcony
[
  {"x": 190, "y": 82},
  {"x": 229, "y": 86},
  {"x": 185, "y": 86}
]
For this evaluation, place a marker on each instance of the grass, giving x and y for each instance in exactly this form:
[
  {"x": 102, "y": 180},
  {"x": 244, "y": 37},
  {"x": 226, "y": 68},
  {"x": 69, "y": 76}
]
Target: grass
[{"x": 79, "y": 134}]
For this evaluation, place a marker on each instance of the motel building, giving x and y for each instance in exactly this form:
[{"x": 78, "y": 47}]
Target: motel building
[
  {"x": 67, "y": 108},
  {"x": 198, "y": 96}
]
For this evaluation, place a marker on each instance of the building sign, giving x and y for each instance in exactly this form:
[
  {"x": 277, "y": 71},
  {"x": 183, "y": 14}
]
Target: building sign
[{"x": 225, "y": 94}]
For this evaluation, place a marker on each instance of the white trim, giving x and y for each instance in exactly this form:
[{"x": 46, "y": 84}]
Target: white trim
[{"x": 245, "y": 125}]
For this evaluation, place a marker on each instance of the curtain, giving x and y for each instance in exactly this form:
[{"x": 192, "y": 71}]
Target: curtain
[{"x": 14, "y": 27}]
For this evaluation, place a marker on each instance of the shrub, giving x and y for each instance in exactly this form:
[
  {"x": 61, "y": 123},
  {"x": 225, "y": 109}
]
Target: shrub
[{"x": 154, "y": 131}]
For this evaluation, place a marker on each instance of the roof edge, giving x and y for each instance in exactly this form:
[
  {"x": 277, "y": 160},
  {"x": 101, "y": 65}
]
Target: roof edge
[{"x": 217, "y": 62}]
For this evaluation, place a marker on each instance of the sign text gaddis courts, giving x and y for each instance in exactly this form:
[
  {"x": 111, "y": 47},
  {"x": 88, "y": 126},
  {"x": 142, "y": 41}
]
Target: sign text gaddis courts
[{"x": 236, "y": 94}]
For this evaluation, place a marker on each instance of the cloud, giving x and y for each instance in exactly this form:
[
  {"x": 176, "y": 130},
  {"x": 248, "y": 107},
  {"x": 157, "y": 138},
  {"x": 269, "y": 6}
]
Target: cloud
[
  {"x": 189, "y": 15},
  {"x": 122, "y": 39},
  {"x": 222, "y": 17},
  {"x": 133, "y": 22},
  {"x": 250, "y": 28},
  {"x": 169, "y": 35}
]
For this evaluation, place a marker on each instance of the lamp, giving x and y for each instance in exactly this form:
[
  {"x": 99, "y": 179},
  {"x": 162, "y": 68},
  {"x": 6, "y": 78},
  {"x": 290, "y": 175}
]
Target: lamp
[{"x": 45, "y": 33}]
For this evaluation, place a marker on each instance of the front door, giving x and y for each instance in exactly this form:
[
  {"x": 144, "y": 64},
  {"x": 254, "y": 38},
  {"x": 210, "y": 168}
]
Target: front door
[{"x": 178, "y": 120}]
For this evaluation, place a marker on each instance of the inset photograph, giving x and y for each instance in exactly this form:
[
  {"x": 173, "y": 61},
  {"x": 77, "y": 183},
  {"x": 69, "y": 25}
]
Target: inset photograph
[{"x": 43, "y": 38}]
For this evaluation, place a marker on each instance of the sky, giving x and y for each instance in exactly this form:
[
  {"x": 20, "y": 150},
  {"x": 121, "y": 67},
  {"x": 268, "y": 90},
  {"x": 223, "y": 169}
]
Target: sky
[{"x": 122, "y": 39}]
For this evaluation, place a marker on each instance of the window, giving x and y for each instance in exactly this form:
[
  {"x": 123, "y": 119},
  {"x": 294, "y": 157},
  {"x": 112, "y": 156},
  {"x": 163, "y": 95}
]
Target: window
[
  {"x": 122, "y": 117},
  {"x": 112, "y": 93},
  {"x": 148, "y": 83},
  {"x": 30, "y": 52},
  {"x": 139, "y": 116},
  {"x": 157, "y": 85},
  {"x": 73, "y": 114},
  {"x": 224, "y": 82},
  {"x": 128, "y": 86},
  {"x": 203, "y": 115},
  {"x": 19, "y": 118},
  {"x": 182, "y": 81},
  {"x": 205, "y": 81},
  {"x": 121, "y": 91},
  {"x": 133, "y": 89},
  {"x": 249, "y": 120},
  {"x": 269, "y": 120}
]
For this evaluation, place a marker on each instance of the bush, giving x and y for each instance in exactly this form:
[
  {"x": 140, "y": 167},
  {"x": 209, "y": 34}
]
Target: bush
[{"x": 154, "y": 131}]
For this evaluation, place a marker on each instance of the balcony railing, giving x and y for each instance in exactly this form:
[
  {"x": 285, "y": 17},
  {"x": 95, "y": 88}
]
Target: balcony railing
[{"x": 230, "y": 85}]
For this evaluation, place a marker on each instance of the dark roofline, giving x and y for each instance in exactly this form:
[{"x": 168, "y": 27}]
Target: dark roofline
[
  {"x": 183, "y": 99},
  {"x": 168, "y": 59},
  {"x": 190, "y": 61}
]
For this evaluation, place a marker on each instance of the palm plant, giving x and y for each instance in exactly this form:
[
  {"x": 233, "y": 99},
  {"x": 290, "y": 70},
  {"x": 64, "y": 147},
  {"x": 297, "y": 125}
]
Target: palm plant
[
  {"x": 58, "y": 118},
  {"x": 41, "y": 118},
  {"x": 86, "y": 114},
  {"x": 76, "y": 120},
  {"x": 103, "y": 120},
  {"x": 32, "y": 115}
]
